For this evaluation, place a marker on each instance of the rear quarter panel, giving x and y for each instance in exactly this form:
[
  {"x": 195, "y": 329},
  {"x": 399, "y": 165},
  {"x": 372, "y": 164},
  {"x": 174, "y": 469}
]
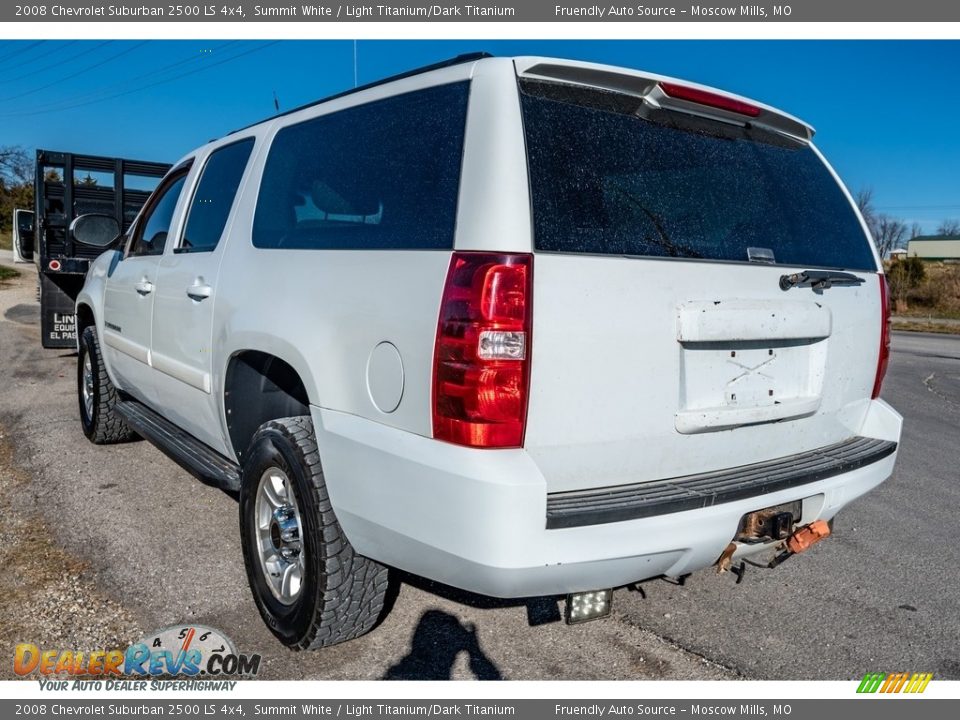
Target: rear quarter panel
[{"x": 324, "y": 311}]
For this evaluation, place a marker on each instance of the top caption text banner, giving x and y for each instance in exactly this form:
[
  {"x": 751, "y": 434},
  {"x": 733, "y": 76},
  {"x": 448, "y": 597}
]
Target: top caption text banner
[{"x": 895, "y": 11}]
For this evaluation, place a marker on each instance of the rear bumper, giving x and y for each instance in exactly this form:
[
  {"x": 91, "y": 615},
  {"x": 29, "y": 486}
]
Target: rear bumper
[
  {"x": 661, "y": 497},
  {"x": 477, "y": 519}
]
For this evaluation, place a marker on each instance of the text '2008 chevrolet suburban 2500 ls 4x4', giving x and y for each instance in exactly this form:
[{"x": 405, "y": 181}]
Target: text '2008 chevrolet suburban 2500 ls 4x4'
[{"x": 522, "y": 326}]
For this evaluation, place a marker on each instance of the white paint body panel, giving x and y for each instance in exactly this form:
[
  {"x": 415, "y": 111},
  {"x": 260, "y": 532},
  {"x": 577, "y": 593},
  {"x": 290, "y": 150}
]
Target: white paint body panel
[{"x": 631, "y": 372}]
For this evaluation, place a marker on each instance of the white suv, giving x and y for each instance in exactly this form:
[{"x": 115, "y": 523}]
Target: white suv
[{"x": 523, "y": 326}]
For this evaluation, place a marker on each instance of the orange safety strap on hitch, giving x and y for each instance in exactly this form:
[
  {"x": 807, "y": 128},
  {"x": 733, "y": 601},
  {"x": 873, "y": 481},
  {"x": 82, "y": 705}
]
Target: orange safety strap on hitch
[
  {"x": 803, "y": 539},
  {"x": 808, "y": 535}
]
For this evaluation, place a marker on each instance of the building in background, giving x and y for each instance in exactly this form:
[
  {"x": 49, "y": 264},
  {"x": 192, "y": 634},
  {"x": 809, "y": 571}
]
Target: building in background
[{"x": 935, "y": 247}]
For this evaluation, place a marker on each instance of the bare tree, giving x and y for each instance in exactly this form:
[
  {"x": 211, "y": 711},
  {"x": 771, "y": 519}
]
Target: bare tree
[
  {"x": 915, "y": 230},
  {"x": 16, "y": 168},
  {"x": 16, "y": 183},
  {"x": 864, "y": 200},
  {"x": 889, "y": 234},
  {"x": 949, "y": 227}
]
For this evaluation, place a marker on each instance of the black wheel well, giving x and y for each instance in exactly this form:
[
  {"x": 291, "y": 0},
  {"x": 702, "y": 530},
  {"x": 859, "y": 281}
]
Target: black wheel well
[
  {"x": 84, "y": 319},
  {"x": 259, "y": 387}
]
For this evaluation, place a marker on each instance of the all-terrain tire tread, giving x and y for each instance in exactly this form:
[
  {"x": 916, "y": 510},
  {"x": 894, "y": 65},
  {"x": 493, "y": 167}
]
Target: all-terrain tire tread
[
  {"x": 352, "y": 590},
  {"x": 108, "y": 426}
]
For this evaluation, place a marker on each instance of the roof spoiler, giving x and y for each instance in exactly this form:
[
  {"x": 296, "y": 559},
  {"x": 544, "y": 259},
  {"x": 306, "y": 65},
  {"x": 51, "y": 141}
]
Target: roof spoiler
[{"x": 668, "y": 93}]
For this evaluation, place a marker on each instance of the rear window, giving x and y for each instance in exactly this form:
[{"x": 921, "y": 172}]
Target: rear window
[
  {"x": 384, "y": 175},
  {"x": 611, "y": 176}
]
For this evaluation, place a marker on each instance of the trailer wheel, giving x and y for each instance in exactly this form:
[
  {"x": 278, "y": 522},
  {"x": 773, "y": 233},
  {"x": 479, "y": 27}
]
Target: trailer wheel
[
  {"x": 310, "y": 587},
  {"x": 101, "y": 422}
]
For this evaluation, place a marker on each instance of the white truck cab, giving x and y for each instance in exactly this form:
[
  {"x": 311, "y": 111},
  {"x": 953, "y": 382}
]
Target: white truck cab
[{"x": 523, "y": 326}]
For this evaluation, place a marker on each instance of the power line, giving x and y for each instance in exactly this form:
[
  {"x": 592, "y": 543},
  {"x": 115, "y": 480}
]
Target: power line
[
  {"x": 58, "y": 63},
  {"x": 63, "y": 79},
  {"x": 150, "y": 85},
  {"x": 21, "y": 51},
  {"x": 105, "y": 92},
  {"x": 57, "y": 49},
  {"x": 918, "y": 207}
]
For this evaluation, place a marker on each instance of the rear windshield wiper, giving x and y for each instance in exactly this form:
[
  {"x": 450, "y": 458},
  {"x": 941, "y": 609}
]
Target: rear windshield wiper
[{"x": 819, "y": 279}]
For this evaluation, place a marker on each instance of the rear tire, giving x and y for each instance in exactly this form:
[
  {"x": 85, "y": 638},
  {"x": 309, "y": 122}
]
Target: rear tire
[
  {"x": 101, "y": 422},
  {"x": 311, "y": 588}
]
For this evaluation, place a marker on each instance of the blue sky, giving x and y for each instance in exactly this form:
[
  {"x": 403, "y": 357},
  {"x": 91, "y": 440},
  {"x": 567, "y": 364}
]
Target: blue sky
[{"x": 886, "y": 113}]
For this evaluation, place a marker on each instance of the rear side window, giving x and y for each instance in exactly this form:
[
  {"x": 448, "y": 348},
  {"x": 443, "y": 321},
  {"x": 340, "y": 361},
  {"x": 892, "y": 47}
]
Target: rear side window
[
  {"x": 384, "y": 175},
  {"x": 609, "y": 176},
  {"x": 214, "y": 197}
]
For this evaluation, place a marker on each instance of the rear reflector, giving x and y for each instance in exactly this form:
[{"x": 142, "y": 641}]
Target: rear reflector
[
  {"x": 884, "y": 356},
  {"x": 702, "y": 97},
  {"x": 482, "y": 352}
]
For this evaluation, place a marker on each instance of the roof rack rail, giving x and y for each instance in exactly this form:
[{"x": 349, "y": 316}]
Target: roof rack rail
[{"x": 458, "y": 60}]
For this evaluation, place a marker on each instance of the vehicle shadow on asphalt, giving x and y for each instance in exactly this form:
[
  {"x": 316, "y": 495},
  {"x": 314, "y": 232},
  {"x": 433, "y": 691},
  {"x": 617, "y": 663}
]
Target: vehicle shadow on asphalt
[
  {"x": 540, "y": 610},
  {"x": 437, "y": 641},
  {"x": 440, "y": 637}
]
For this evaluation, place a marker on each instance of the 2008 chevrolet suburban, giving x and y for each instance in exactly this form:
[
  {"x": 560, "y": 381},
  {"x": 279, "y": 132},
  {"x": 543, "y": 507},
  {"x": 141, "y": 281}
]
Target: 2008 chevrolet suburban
[{"x": 523, "y": 326}]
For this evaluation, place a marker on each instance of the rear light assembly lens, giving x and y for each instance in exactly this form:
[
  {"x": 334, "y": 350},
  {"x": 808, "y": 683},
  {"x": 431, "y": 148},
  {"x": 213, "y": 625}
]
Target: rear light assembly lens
[
  {"x": 703, "y": 97},
  {"x": 502, "y": 345},
  {"x": 482, "y": 353},
  {"x": 883, "y": 357}
]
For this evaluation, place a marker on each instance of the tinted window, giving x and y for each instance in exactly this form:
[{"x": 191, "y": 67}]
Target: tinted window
[
  {"x": 214, "y": 197},
  {"x": 613, "y": 177},
  {"x": 381, "y": 175},
  {"x": 151, "y": 234}
]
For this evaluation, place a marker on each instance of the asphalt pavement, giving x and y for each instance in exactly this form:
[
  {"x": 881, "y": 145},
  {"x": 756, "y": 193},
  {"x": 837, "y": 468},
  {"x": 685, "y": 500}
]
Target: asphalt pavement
[{"x": 102, "y": 545}]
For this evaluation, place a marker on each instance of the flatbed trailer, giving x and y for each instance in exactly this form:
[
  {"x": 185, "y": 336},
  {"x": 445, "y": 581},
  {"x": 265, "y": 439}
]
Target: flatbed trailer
[{"x": 68, "y": 185}]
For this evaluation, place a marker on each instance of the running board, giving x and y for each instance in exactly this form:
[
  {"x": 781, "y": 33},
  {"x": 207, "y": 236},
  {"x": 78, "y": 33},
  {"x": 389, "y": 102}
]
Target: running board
[{"x": 181, "y": 447}]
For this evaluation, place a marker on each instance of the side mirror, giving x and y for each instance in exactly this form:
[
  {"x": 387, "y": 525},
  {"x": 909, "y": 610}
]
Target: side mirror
[{"x": 95, "y": 230}]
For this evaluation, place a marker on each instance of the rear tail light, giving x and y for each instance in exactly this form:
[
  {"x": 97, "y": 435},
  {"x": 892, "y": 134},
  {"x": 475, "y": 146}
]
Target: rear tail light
[
  {"x": 482, "y": 354},
  {"x": 884, "y": 356},
  {"x": 702, "y": 97}
]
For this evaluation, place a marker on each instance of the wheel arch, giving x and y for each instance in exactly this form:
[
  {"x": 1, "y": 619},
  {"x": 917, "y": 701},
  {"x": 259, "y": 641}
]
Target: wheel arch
[
  {"x": 259, "y": 386},
  {"x": 85, "y": 318}
]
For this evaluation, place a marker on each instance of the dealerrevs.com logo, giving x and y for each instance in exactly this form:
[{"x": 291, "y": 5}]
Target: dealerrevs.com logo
[{"x": 194, "y": 652}]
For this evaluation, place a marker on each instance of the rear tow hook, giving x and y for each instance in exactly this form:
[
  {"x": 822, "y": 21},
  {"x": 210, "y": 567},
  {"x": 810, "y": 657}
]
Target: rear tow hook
[{"x": 803, "y": 539}]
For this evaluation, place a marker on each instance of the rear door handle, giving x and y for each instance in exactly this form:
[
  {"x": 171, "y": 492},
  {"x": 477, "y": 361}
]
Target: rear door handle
[
  {"x": 199, "y": 291},
  {"x": 144, "y": 287}
]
